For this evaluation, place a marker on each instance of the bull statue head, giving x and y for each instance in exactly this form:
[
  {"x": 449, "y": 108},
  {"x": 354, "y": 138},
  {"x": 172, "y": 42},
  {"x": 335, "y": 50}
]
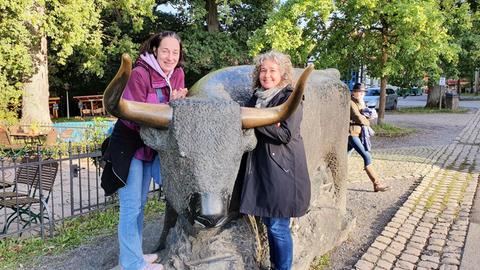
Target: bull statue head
[{"x": 200, "y": 139}]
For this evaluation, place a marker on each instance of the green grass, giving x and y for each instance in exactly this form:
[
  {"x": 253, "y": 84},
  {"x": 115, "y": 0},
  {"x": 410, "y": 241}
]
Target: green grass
[
  {"x": 321, "y": 263},
  {"x": 470, "y": 95},
  {"x": 430, "y": 110},
  {"x": 15, "y": 253},
  {"x": 389, "y": 130}
]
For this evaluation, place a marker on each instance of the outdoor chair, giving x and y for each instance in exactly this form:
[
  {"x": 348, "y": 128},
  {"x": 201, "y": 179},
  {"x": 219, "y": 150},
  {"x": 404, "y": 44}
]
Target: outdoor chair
[
  {"x": 24, "y": 179},
  {"x": 5, "y": 141},
  {"x": 39, "y": 194}
]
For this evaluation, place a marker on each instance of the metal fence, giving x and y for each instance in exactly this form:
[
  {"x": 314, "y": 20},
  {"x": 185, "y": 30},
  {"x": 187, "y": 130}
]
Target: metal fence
[{"x": 40, "y": 189}]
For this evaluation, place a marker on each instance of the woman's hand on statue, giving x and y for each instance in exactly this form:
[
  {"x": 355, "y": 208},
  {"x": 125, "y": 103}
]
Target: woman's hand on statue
[{"x": 178, "y": 93}]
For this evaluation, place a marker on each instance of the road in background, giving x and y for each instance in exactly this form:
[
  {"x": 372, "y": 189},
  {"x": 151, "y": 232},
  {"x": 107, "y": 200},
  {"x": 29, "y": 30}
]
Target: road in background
[{"x": 420, "y": 101}]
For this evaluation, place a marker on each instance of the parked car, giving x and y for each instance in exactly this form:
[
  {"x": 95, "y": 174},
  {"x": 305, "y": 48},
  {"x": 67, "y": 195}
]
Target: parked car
[
  {"x": 372, "y": 98},
  {"x": 416, "y": 91}
]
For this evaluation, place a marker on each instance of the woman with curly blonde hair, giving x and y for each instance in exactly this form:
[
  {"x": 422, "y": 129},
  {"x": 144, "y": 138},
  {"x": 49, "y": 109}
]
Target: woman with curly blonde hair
[{"x": 276, "y": 186}]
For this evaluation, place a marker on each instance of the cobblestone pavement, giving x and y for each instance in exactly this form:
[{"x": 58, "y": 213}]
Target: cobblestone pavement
[{"x": 428, "y": 231}]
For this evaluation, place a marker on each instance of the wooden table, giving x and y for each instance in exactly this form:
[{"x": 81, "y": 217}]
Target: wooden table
[
  {"x": 30, "y": 139},
  {"x": 92, "y": 105}
]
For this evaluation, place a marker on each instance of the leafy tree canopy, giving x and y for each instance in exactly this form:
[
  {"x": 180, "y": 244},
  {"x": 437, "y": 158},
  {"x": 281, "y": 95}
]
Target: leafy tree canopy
[{"x": 292, "y": 29}]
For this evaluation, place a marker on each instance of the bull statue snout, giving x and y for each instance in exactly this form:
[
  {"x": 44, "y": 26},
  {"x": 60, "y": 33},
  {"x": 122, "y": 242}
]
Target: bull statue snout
[{"x": 208, "y": 210}]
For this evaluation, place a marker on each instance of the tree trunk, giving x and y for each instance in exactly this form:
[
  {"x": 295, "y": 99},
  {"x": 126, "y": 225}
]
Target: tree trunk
[
  {"x": 35, "y": 108},
  {"x": 383, "y": 99},
  {"x": 433, "y": 98},
  {"x": 212, "y": 16},
  {"x": 476, "y": 81},
  {"x": 383, "y": 79}
]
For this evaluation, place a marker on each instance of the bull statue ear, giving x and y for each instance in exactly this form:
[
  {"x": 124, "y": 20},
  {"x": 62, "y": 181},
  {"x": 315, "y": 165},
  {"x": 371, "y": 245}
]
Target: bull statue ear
[
  {"x": 153, "y": 115},
  {"x": 259, "y": 117}
]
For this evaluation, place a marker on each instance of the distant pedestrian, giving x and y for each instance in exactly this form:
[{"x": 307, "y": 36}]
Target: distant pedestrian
[{"x": 359, "y": 138}]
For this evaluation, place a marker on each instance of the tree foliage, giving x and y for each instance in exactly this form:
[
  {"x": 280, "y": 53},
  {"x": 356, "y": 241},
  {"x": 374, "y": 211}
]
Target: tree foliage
[
  {"x": 292, "y": 29},
  {"x": 77, "y": 36},
  {"x": 388, "y": 37}
]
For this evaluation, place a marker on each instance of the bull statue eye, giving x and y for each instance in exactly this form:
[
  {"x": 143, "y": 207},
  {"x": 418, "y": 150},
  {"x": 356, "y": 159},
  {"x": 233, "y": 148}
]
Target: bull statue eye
[{"x": 182, "y": 154}]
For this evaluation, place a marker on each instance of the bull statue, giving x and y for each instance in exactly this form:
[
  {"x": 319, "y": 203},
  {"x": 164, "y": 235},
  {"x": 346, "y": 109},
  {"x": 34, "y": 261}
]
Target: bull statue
[{"x": 201, "y": 140}]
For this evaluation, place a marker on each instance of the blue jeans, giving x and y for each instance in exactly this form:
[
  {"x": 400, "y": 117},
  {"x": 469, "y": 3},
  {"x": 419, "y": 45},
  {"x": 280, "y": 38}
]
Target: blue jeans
[
  {"x": 355, "y": 143},
  {"x": 133, "y": 197},
  {"x": 280, "y": 242}
]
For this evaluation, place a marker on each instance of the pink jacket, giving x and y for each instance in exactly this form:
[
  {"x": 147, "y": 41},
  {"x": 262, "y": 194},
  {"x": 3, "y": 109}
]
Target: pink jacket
[{"x": 142, "y": 86}]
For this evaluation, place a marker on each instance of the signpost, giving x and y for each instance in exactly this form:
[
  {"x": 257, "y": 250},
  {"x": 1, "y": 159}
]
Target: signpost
[{"x": 442, "y": 83}]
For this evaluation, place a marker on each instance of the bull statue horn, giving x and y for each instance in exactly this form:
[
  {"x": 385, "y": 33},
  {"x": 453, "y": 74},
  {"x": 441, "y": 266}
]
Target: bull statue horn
[
  {"x": 154, "y": 115},
  {"x": 259, "y": 117}
]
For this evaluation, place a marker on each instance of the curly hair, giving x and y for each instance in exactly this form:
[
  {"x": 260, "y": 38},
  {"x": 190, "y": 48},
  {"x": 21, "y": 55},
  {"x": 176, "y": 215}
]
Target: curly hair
[{"x": 281, "y": 59}]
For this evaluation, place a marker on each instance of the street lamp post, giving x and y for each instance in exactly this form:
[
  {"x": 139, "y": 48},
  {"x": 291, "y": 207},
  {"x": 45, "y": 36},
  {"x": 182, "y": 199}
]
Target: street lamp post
[{"x": 67, "y": 87}]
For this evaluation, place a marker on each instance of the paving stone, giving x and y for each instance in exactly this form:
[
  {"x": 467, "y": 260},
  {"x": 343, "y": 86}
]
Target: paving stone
[
  {"x": 434, "y": 259},
  {"x": 379, "y": 245},
  {"x": 451, "y": 255},
  {"x": 455, "y": 243},
  {"x": 437, "y": 236},
  {"x": 413, "y": 251},
  {"x": 394, "y": 251},
  {"x": 401, "y": 239},
  {"x": 420, "y": 240},
  {"x": 437, "y": 242},
  {"x": 440, "y": 225},
  {"x": 452, "y": 249},
  {"x": 457, "y": 238},
  {"x": 449, "y": 260},
  {"x": 460, "y": 227},
  {"x": 434, "y": 248},
  {"x": 374, "y": 251},
  {"x": 390, "y": 229},
  {"x": 440, "y": 230},
  {"x": 461, "y": 222},
  {"x": 429, "y": 215},
  {"x": 421, "y": 234},
  {"x": 364, "y": 265},
  {"x": 394, "y": 224},
  {"x": 389, "y": 257},
  {"x": 384, "y": 264},
  {"x": 369, "y": 258},
  {"x": 423, "y": 229},
  {"x": 409, "y": 258},
  {"x": 406, "y": 229},
  {"x": 388, "y": 234},
  {"x": 427, "y": 264},
  {"x": 405, "y": 265},
  {"x": 397, "y": 245},
  {"x": 455, "y": 232},
  {"x": 415, "y": 245},
  {"x": 404, "y": 234},
  {"x": 448, "y": 267},
  {"x": 426, "y": 225},
  {"x": 384, "y": 239},
  {"x": 399, "y": 219}
]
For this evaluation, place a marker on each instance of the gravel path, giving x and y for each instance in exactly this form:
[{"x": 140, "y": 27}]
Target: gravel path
[{"x": 398, "y": 161}]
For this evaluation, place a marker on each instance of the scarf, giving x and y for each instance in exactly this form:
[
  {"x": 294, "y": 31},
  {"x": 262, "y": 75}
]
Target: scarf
[
  {"x": 265, "y": 96},
  {"x": 152, "y": 61}
]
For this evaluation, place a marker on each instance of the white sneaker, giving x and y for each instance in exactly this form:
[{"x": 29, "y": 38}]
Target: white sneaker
[
  {"x": 153, "y": 266},
  {"x": 150, "y": 258}
]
